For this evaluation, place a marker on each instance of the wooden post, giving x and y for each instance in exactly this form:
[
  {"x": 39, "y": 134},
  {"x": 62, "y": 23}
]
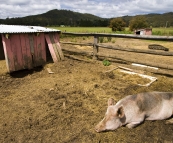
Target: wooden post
[{"x": 95, "y": 48}]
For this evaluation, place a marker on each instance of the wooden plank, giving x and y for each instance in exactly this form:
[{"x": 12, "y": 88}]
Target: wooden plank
[
  {"x": 40, "y": 49},
  {"x": 31, "y": 43},
  {"x": 37, "y": 50},
  {"x": 17, "y": 51},
  {"x": 56, "y": 39},
  {"x": 23, "y": 49},
  {"x": 8, "y": 54},
  {"x": 81, "y": 44},
  {"x": 144, "y": 37},
  {"x": 158, "y": 65},
  {"x": 51, "y": 49},
  {"x": 95, "y": 48},
  {"x": 54, "y": 46},
  {"x": 43, "y": 47},
  {"x": 28, "y": 52},
  {"x": 136, "y": 50}
]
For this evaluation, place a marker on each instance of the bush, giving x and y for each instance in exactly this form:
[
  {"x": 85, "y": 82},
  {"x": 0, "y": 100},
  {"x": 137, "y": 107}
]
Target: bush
[
  {"x": 138, "y": 22},
  {"x": 101, "y": 39},
  {"x": 117, "y": 24},
  {"x": 106, "y": 62},
  {"x": 109, "y": 39}
]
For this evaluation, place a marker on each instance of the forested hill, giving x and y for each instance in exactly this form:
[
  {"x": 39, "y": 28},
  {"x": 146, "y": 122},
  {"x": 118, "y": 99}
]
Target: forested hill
[
  {"x": 155, "y": 20},
  {"x": 69, "y": 18},
  {"x": 58, "y": 17}
]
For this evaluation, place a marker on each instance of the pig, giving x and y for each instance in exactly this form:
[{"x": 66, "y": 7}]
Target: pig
[{"x": 134, "y": 109}]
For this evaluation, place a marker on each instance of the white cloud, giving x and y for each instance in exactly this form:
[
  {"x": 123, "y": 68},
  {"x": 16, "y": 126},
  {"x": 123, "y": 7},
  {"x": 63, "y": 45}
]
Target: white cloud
[{"x": 102, "y": 8}]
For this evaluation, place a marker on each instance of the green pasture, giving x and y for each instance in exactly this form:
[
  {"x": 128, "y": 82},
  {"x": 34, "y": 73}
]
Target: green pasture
[
  {"x": 84, "y": 29},
  {"x": 163, "y": 31},
  {"x": 155, "y": 31}
]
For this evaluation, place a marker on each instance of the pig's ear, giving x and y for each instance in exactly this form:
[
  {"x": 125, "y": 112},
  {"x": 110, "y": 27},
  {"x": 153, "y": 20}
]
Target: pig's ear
[
  {"x": 111, "y": 101},
  {"x": 120, "y": 112}
]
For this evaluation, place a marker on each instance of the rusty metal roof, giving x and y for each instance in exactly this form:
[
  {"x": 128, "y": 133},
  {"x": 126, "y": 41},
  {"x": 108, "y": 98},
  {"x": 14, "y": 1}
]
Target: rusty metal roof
[{"x": 25, "y": 29}]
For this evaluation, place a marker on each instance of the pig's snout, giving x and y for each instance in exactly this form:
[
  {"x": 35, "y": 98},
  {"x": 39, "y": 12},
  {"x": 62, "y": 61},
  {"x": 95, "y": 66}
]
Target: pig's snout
[{"x": 99, "y": 128}]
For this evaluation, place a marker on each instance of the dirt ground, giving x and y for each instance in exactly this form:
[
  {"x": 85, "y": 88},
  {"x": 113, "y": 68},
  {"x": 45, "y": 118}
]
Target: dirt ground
[{"x": 64, "y": 107}]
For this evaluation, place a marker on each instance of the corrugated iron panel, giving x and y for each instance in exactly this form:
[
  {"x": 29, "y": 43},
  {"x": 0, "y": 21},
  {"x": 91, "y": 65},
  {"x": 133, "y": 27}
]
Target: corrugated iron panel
[{"x": 24, "y": 29}]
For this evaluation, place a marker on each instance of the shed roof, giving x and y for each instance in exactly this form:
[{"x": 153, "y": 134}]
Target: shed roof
[{"x": 24, "y": 29}]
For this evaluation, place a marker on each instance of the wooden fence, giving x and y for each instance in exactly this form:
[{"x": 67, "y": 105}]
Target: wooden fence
[{"x": 96, "y": 46}]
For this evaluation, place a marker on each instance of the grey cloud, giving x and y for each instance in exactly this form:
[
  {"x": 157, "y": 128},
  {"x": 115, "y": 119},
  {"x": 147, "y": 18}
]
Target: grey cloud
[{"x": 102, "y": 8}]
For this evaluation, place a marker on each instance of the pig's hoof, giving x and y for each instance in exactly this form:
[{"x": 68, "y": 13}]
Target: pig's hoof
[
  {"x": 130, "y": 126},
  {"x": 170, "y": 121}
]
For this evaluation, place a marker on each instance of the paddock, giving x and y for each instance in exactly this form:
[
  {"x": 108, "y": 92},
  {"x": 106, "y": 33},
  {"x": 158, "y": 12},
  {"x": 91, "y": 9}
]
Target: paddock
[{"x": 64, "y": 106}]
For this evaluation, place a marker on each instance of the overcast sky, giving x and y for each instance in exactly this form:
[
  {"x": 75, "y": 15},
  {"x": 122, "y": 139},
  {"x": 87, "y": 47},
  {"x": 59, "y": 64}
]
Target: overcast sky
[{"x": 101, "y": 8}]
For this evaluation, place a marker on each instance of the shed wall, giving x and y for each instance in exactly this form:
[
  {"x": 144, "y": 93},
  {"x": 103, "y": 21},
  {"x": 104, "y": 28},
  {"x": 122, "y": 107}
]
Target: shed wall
[{"x": 24, "y": 51}]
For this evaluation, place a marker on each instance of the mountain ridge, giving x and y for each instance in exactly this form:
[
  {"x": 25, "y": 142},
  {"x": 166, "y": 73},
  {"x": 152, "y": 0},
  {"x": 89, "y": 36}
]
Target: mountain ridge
[{"x": 57, "y": 17}]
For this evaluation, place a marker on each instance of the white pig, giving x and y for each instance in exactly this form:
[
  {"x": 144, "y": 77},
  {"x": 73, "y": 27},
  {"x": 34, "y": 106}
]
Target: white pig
[{"x": 134, "y": 109}]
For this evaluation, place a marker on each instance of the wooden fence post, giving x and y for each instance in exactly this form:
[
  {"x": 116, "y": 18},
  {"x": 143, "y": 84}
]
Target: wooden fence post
[{"x": 95, "y": 47}]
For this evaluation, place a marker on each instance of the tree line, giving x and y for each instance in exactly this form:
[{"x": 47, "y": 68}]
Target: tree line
[
  {"x": 53, "y": 22},
  {"x": 69, "y": 18}
]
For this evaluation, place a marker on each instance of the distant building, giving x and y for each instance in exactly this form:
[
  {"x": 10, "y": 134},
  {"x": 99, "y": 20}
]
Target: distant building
[{"x": 146, "y": 31}]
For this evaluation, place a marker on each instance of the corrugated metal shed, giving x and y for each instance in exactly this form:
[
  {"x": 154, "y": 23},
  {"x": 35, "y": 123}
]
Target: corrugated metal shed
[
  {"x": 24, "y": 29},
  {"x": 25, "y": 46}
]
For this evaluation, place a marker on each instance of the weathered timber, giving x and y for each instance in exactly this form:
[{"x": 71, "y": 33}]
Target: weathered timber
[
  {"x": 54, "y": 46},
  {"x": 145, "y": 37},
  {"x": 126, "y": 59},
  {"x": 81, "y": 44},
  {"x": 51, "y": 48},
  {"x": 78, "y": 52},
  {"x": 78, "y": 59},
  {"x": 95, "y": 47},
  {"x": 56, "y": 39},
  {"x": 163, "y": 66},
  {"x": 161, "y": 71},
  {"x": 136, "y": 50}
]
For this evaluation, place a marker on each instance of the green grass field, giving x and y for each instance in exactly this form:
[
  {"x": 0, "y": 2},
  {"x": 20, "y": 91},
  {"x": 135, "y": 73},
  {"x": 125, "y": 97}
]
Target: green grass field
[
  {"x": 85, "y": 29},
  {"x": 155, "y": 31}
]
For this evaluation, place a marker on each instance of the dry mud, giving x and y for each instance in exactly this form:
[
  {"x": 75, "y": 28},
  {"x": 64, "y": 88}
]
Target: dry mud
[{"x": 64, "y": 107}]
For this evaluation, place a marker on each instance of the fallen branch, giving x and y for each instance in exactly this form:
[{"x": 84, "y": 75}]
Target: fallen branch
[
  {"x": 77, "y": 58},
  {"x": 111, "y": 70},
  {"x": 124, "y": 68}
]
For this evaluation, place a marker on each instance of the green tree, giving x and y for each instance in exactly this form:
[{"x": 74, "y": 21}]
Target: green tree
[
  {"x": 117, "y": 24},
  {"x": 138, "y": 22}
]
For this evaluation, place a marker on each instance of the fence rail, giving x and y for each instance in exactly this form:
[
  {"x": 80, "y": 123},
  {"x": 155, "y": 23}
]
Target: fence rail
[
  {"x": 144, "y": 37},
  {"x": 96, "y": 46}
]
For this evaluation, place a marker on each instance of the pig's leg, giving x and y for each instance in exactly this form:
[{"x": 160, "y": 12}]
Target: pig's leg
[
  {"x": 170, "y": 121},
  {"x": 138, "y": 120},
  {"x": 133, "y": 124}
]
